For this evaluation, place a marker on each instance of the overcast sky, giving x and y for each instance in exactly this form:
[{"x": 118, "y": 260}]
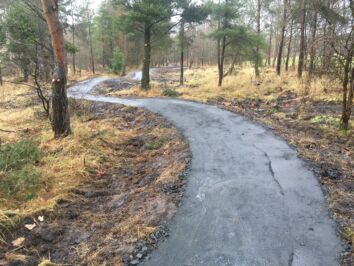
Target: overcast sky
[{"x": 94, "y": 3}]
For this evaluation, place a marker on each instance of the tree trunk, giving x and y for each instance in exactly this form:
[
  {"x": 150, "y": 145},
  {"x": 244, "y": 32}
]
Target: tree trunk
[
  {"x": 232, "y": 67},
  {"x": 73, "y": 35},
  {"x": 111, "y": 47},
  {"x": 289, "y": 47},
  {"x": 270, "y": 46},
  {"x": 345, "y": 120},
  {"x": 103, "y": 55},
  {"x": 91, "y": 46},
  {"x": 220, "y": 71},
  {"x": 181, "y": 78},
  {"x": 221, "y": 63},
  {"x": 190, "y": 64},
  {"x": 126, "y": 54},
  {"x": 276, "y": 48},
  {"x": 347, "y": 93},
  {"x": 313, "y": 48},
  {"x": 25, "y": 73},
  {"x": 257, "y": 61},
  {"x": 302, "y": 41},
  {"x": 282, "y": 36},
  {"x": 145, "y": 81},
  {"x": 60, "y": 115},
  {"x": 1, "y": 79}
]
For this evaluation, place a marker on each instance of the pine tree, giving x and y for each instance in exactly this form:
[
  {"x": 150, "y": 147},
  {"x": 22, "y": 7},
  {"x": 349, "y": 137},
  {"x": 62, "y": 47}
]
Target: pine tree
[{"x": 145, "y": 16}]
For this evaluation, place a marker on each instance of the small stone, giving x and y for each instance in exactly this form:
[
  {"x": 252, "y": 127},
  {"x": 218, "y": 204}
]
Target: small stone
[
  {"x": 144, "y": 249},
  {"x": 134, "y": 262},
  {"x": 30, "y": 227},
  {"x": 139, "y": 255},
  {"x": 18, "y": 242}
]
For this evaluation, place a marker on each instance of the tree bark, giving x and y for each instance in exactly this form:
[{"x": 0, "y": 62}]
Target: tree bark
[
  {"x": 270, "y": 44},
  {"x": 60, "y": 115},
  {"x": 302, "y": 41},
  {"x": 25, "y": 73},
  {"x": 145, "y": 81},
  {"x": 289, "y": 47},
  {"x": 257, "y": 61},
  {"x": 221, "y": 63},
  {"x": 126, "y": 55},
  {"x": 91, "y": 45},
  {"x": 313, "y": 48},
  {"x": 282, "y": 36},
  {"x": 1, "y": 79},
  {"x": 348, "y": 92},
  {"x": 73, "y": 35},
  {"x": 348, "y": 81},
  {"x": 181, "y": 78}
]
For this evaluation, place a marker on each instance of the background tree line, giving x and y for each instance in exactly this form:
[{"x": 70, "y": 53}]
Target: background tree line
[{"x": 313, "y": 38}]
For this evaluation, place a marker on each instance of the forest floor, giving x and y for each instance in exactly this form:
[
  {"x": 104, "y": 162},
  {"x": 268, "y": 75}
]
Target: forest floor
[
  {"x": 99, "y": 197},
  {"x": 305, "y": 114}
]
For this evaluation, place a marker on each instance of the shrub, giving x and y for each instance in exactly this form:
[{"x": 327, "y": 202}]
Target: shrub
[
  {"x": 170, "y": 93},
  {"x": 18, "y": 177},
  {"x": 117, "y": 61},
  {"x": 21, "y": 184},
  {"x": 14, "y": 156}
]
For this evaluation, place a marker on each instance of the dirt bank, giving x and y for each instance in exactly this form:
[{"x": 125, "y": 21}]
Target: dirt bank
[{"x": 117, "y": 216}]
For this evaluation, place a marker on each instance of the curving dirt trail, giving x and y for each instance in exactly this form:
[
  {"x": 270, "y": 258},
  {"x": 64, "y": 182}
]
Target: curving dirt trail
[{"x": 249, "y": 199}]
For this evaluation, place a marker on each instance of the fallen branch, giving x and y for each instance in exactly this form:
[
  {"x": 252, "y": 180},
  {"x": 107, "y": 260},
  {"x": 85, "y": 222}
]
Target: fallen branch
[{"x": 7, "y": 131}]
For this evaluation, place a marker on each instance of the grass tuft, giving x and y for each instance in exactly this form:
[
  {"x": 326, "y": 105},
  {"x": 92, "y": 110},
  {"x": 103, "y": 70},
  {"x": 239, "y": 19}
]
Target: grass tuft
[{"x": 170, "y": 93}]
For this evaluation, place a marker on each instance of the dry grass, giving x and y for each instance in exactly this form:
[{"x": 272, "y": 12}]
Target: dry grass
[
  {"x": 85, "y": 74},
  {"x": 118, "y": 150},
  {"x": 201, "y": 85},
  {"x": 65, "y": 163}
]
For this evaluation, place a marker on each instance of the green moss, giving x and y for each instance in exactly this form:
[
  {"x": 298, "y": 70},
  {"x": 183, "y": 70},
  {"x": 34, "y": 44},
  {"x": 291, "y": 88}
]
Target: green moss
[
  {"x": 154, "y": 145},
  {"x": 326, "y": 120}
]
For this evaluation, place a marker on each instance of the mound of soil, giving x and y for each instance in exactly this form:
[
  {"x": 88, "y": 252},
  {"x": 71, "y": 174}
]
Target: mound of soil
[
  {"x": 113, "y": 85},
  {"x": 120, "y": 213}
]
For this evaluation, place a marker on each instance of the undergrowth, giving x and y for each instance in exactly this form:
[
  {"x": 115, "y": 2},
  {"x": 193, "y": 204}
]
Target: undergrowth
[
  {"x": 36, "y": 170},
  {"x": 170, "y": 93},
  {"x": 19, "y": 177}
]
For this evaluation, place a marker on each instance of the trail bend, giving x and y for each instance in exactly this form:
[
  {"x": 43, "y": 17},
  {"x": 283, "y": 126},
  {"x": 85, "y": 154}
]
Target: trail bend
[{"x": 249, "y": 199}]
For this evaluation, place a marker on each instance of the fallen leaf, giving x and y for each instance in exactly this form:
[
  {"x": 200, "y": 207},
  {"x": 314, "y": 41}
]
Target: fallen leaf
[
  {"x": 18, "y": 242},
  {"x": 100, "y": 173},
  {"x": 30, "y": 227},
  {"x": 41, "y": 218}
]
